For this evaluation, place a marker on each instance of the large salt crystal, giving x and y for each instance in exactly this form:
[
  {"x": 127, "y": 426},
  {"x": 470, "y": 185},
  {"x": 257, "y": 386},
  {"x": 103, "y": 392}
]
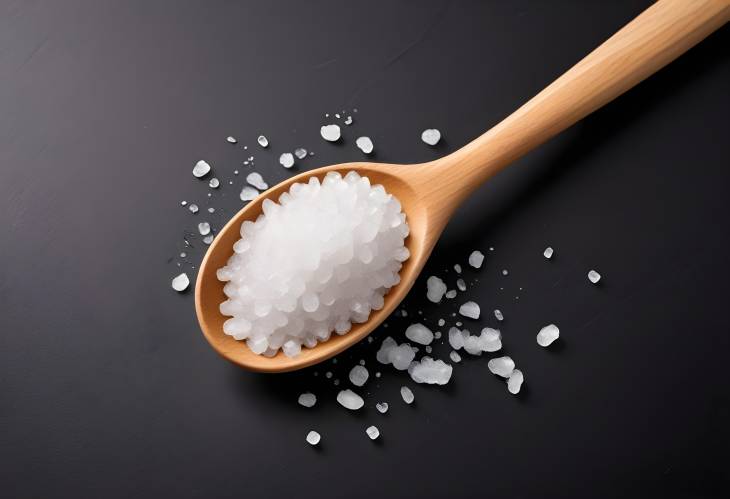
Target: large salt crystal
[
  {"x": 372, "y": 432},
  {"x": 431, "y": 136},
  {"x": 358, "y": 375},
  {"x": 201, "y": 169},
  {"x": 470, "y": 310},
  {"x": 476, "y": 259},
  {"x": 435, "y": 289},
  {"x": 430, "y": 371},
  {"x": 313, "y": 438},
  {"x": 330, "y": 133},
  {"x": 514, "y": 383},
  {"x": 286, "y": 160},
  {"x": 594, "y": 276},
  {"x": 382, "y": 407},
  {"x": 401, "y": 356},
  {"x": 456, "y": 338},
  {"x": 256, "y": 180},
  {"x": 181, "y": 282},
  {"x": 548, "y": 253},
  {"x": 263, "y": 141},
  {"x": 501, "y": 366},
  {"x": 490, "y": 340},
  {"x": 364, "y": 144},
  {"x": 407, "y": 395},
  {"x": 547, "y": 335},
  {"x": 307, "y": 399},
  {"x": 315, "y": 263},
  {"x": 383, "y": 354},
  {"x": 418, "y": 333},
  {"x": 350, "y": 400},
  {"x": 498, "y": 314},
  {"x": 461, "y": 284}
]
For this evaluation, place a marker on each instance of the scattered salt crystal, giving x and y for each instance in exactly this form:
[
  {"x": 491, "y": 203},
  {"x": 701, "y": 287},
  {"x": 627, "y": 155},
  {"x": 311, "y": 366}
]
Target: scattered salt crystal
[
  {"x": 249, "y": 193},
  {"x": 307, "y": 399},
  {"x": 476, "y": 259},
  {"x": 256, "y": 180},
  {"x": 214, "y": 183},
  {"x": 383, "y": 354},
  {"x": 505, "y": 272},
  {"x": 501, "y": 366},
  {"x": 211, "y": 209},
  {"x": 457, "y": 268},
  {"x": 364, "y": 144},
  {"x": 183, "y": 254},
  {"x": 348, "y": 120},
  {"x": 458, "y": 324},
  {"x": 382, "y": 407},
  {"x": 419, "y": 333},
  {"x": 461, "y": 284},
  {"x": 183, "y": 203},
  {"x": 594, "y": 276},
  {"x": 372, "y": 432},
  {"x": 300, "y": 152},
  {"x": 432, "y": 372},
  {"x": 498, "y": 314},
  {"x": 181, "y": 282},
  {"x": 231, "y": 140},
  {"x": 431, "y": 136},
  {"x": 193, "y": 208},
  {"x": 330, "y": 133},
  {"x": 437, "y": 335},
  {"x": 350, "y": 400},
  {"x": 358, "y": 375},
  {"x": 337, "y": 115},
  {"x": 201, "y": 169},
  {"x": 435, "y": 289},
  {"x": 328, "y": 374},
  {"x": 456, "y": 338},
  {"x": 547, "y": 335},
  {"x": 263, "y": 141},
  {"x": 490, "y": 340},
  {"x": 407, "y": 394},
  {"x": 377, "y": 374},
  {"x": 470, "y": 310},
  {"x": 286, "y": 160},
  {"x": 313, "y": 438},
  {"x": 441, "y": 322},
  {"x": 450, "y": 294},
  {"x": 428, "y": 349},
  {"x": 514, "y": 383},
  {"x": 454, "y": 356},
  {"x": 204, "y": 228},
  {"x": 548, "y": 253},
  {"x": 208, "y": 239}
]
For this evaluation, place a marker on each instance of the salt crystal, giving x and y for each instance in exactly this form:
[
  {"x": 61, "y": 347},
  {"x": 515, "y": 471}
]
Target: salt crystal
[
  {"x": 300, "y": 152},
  {"x": 201, "y": 169},
  {"x": 364, "y": 144},
  {"x": 490, "y": 340},
  {"x": 358, "y": 375},
  {"x": 328, "y": 374},
  {"x": 214, "y": 183},
  {"x": 307, "y": 399},
  {"x": 211, "y": 209},
  {"x": 383, "y": 354},
  {"x": 501, "y": 366},
  {"x": 437, "y": 335},
  {"x": 348, "y": 120},
  {"x": 256, "y": 180},
  {"x": 547, "y": 335},
  {"x": 450, "y": 294},
  {"x": 372, "y": 432},
  {"x": 263, "y": 141},
  {"x": 313, "y": 438},
  {"x": 461, "y": 284},
  {"x": 476, "y": 259},
  {"x": 498, "y": 315},
  {"x": 594, "y": 276},
  {"x": 505, "y": 272},
  {"x": 193, "y": 208},
  {"x": 431, "y": 136},
  {"x": 350, "y": 400},
  {"x": 337, "y": 115},
  {"x": 430, "y": 371},
  {"x": 249, "y": 193},
  {"x": 330, "y": 133},
  {"x": 231, "y": 140},
  {"x": 401, "y": 356},
  {"x": 286, "y": 160},
  {"x": 183, "y": 203},
  {"x": 204, "y": 228},
  {"x": 183, "y": 254},
  {"x": 382, "y": 407},
  {"x": 435, "y": 289},
  {"x": 181, "y": 282},
  {"x": 441, "y": 322},
  {"x": 419, "y": 333},
  {"x": 208, "y": 239},
  {"x": 407, "y": 394},
  {"x": 470, "y": 310},
  {"x": 454, "y": 356},
  {"x": 457, "y": 268},
  {"x": 514, "y": 383},
  {"x": 548, "y": 253},
  {"x": 456, "y": 338}
]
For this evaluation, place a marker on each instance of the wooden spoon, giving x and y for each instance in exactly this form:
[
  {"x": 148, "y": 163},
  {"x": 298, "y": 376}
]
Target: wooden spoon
[{"x": 430, "y": 193}]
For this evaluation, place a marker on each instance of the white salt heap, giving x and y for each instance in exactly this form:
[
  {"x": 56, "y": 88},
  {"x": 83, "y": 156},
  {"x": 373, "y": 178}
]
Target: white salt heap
[
  {"x": 435, "y": 289},
  {"x": 476, "y": 259},
  {"x": 358, "y": 375},
  {"x": 433, "y": 372},
  {"x": 547, "y": 335},
  {"x": 418, "y": 333},
  {"x": 350, "y": 400},
  {"x": 317, "y": 261}
]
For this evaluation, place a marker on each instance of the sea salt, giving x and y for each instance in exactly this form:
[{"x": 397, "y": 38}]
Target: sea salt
[
  {"x": 418, "y": 333},
  {"x": 498, "y": 314},
  {"x": 348, "y": 120},
  {"x": 457, "y": 268},
  {"x": 307, "y": 399},
  {"x": 407, "y": 394},
  {"x": 201, "y": 169},
  {"x": 450, "y": 294},
  {"x": 286, "y": 160},
  {"x": 193, "y": 208},
  {"x": 249, "y": 193},
  {"x": 350, "y": 400},
  {"x": 548, "y": 253},
  {"x": 300, "y": 152},
  {"x": 204, "y": 228},
  {"x": 382, "y": 407},
  {"x": 211, "y": 209},
  {"x": 470, "y": 310},
  {"x": 358, "y": 375},
  {"x": 431, "y": 136},
  {"x": 390, "y": 352},
  {"x": 208, "y": 239},
  {"x": 372, "y": 432},
  {"x": 314, "y": 263},
  {"x": 263, "y": 141},
  {"x": 435, "y": 289},
  {"x": 313, "y": 438},
  {"x": 183, "y": 203},
  {"x": 430, "y": 371},
  {"x": 214, "y": 183},
  {"x": 364, "y": 144},
  {"x": 181, "y": 282},
  {"x": 441, "y": 322},
  {"x": 501, "y": 366},
  {"x": 330, "y": 133},
  {"x": 505, "y": 272},
  {"x": 476, "y": 259},
  {"x": 256, "y": 180},
  {"x": 514, "y": 383},
  {"x": 547, "y": 335},
  {"x": 454, "y": 356},
  {"x": 461, "y": 284},
  {"x": 594, "y": 276},
  {"x": 231, "y": 140}
]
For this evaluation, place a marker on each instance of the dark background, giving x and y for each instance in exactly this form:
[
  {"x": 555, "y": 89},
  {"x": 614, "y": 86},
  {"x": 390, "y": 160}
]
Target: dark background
[{"x": 107, "y": 387}]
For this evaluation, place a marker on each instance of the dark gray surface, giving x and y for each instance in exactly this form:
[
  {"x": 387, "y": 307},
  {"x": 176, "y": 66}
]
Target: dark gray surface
[{"x": 107, "y": 388}]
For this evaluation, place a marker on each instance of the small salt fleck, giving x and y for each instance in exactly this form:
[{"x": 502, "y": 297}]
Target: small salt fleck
[
  {"x": 300, "y": 153},
  {"x": 350, "y": 400},
  {"x": 454, "y": 356},
  {"x": 407, "y": 394},
  {"x": 431, "y": 136},
  {"x": 307, "y": 399},
  {"x": 358, "y": 375},
  {"x": 594, "y": 276},
  {"x": 286, "y": 160},
  {"x": 458, "y": 324},
  {"x": 337, "y": 115},
  {"x": 461, "y": 284},
  {"x": 514, "y": 383},
  {"x": 547, "y": 335},
  {"x": 337, "y": 382},
  {"x": 214, "y": 183},
  {"x": 330, "y": 133},
  {"x": 181, "y": 282},
  {"x": 231, "y": 140},
  {"x": 208, "y": 239},
  {"x": 201, "y": 169},
  {"x": 183, "y": 254},
  {"x": 437, "y": 335},
  {"x": 505, "y": 272},
  {"x": 382, "y": 407},
  {"x": 377, "y": 374},
  {"x": 193, "y": 208},
  {"x": 348, "y": 120},
  {"x": 457, "y": 268},
  {"x": 235, "y": 172},
  {"x": 441, "y": 322},
  {"x": 256, "y": 180},
  {"x": 501, "y": 366},
  {"x": 476, "y": 259},
  {"x": 450, "y": 294},
  {"x": 313, "y": 438},
  {"x": 372, "y": 432},
  {"x": 364, "y": 144},
  {"x": 328, "y": 374},
  {"x": 204, "y": 228},
  {"x": 263, "y": 141},
  {"x": 211, "y": 210},
  {"x": 470, "y": 310},
  {"x": 183, "y": 203},
  {"x": 548, "y": 253},
  {"x": 498, "y": 314},
  {"x": 249, "y": 194}
]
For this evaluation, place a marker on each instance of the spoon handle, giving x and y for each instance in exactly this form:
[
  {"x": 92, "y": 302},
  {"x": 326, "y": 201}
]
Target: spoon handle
[{"x": 656, "y": 37}]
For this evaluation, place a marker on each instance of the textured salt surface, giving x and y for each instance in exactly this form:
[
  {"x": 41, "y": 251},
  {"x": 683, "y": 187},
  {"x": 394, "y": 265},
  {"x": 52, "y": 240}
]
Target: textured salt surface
[{"x": 430, "y": 371}]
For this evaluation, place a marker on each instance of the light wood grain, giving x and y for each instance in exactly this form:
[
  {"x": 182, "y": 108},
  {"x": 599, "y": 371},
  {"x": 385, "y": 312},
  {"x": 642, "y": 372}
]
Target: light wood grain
[{"x": 430, "y": 192}]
